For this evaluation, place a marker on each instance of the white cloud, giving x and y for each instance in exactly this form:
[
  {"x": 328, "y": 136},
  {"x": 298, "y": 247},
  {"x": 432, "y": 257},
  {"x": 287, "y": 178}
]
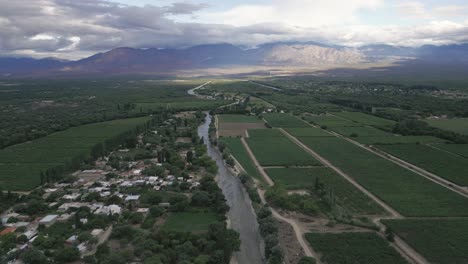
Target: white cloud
[
  {"x": 299, "y": 13},
  {"x": 70, "y": 28}
]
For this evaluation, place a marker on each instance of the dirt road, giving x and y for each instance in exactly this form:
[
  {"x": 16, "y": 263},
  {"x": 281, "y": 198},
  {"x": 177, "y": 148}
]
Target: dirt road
[
  {"x": 297, "y": 230},
  {"x": 325, "y": 162}
]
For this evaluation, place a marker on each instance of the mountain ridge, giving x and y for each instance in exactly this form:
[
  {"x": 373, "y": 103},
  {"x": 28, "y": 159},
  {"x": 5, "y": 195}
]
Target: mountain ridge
[{"x": 127, "y": 60}]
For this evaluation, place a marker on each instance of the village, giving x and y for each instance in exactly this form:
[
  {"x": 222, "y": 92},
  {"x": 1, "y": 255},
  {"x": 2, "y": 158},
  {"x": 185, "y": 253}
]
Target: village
[{"x": 134, "y": 185}]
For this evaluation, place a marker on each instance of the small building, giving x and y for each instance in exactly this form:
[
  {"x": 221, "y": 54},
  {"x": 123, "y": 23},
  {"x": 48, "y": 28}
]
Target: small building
[
  {"x": 30, "y": 234},
  {"x": 48, "y": 220},
  {"x": 143, "y": 210}
]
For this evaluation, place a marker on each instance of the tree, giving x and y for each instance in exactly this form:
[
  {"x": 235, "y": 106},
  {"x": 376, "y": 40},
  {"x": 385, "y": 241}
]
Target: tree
[
  {"x": 34, "y": 256},
  {"x": 189, "y": 156},
  {"x": 67, "y": 254}
]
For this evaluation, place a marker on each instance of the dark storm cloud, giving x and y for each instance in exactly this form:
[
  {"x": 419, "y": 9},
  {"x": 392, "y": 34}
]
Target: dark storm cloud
[{"x": 78, "y": 28}]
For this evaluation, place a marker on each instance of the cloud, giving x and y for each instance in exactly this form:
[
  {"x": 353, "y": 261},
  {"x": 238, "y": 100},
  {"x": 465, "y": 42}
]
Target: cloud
[{"x": 73, "y": 29}]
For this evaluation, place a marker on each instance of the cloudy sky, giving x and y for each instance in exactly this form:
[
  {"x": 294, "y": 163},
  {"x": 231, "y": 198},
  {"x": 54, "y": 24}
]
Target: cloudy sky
[{"x": 74, "y": 29}]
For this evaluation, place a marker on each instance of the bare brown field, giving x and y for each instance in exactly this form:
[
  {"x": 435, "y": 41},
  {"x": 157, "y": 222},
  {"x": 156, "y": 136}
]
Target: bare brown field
[{"x": 237, "y": 129}]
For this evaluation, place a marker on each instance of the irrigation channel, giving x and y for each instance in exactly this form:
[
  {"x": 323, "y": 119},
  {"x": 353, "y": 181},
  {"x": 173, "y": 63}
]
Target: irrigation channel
[{"x": 241, "y": 215}]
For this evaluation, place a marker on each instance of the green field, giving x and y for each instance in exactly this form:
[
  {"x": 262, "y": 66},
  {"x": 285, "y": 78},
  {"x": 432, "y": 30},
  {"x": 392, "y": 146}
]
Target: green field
[
  {"x": 284, "y": 120},
  {"x": 459, "y": 149},
  {"x": 189, "y": 221},
  {"x": 449, "y": 166},
  {"x": 405, "y": 191},
  {"x": 354, "y": 248},
  {"x": 241, "y": 155},
  {"x": 389, "y": 140},
  {"x": 360, "y": 131},
  {"x": 308, "y": 132},
  {"x": 238, "y": 119},
  {"x": 347, "y": 195},
  {"x": 367, "y": 119},
  {"x": 21, "y": 165},
  {"x": 193, "y": 104},
  {"x": 273, "y": 149},
  {"x": 458, "y": 125},
  {"x": 443, "y": 241},
  {"x": 329, "y": 120}
]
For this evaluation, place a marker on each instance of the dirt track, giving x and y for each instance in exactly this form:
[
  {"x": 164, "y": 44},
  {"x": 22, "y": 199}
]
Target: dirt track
[{"x": 297, "y": 229}]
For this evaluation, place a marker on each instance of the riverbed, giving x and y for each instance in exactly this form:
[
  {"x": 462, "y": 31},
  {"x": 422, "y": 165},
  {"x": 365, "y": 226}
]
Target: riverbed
[{"x": 241, "y": 215}]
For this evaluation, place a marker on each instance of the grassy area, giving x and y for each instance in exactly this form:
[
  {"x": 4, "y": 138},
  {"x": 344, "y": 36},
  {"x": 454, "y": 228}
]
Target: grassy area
[
  {"x": 273, "y": 149},
  {"x": 449, "y": 166},
  {"x": 238, "y": 119},
  {"x": 354, "y": 248},
  {"x": 347, "y": 195},
  {"x": 367, "y": 119},
  {"x": 458, "y": 125},
  {"x": 308, "y": 132},
  {"x": 22, "y": 164},
  {"x": 284, "y": 120},
  {"x": 459, "y": 149},
  {"x": 241, "y": 155},
  {"x": 440, "y": 241},
  {"x": 388, "y": 140},
  {"x": 189, "y": 221},
  {"x": 405, "y": 191}
]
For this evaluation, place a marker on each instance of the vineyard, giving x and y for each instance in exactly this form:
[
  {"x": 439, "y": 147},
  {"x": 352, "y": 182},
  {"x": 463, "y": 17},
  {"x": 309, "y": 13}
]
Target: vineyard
[
  {"x": 354, "y": 248},
  {"x": 284, "y": 120}
]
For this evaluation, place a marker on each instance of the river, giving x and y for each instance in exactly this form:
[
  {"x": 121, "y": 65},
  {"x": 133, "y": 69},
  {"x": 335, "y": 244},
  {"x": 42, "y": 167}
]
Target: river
[{"x": 241, "y": 215}]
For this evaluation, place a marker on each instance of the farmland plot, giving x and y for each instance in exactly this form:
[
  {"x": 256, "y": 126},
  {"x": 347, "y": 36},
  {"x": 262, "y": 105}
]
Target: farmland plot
[
  {"x": 367, "y": 119},
  {"x": 405, "y": 191},
  {"x": 359, "y": 131},
  {"x": 459, "y": 149},
  {"x": 237, "y": 125},
  {"x": 449, "y": 166},
  {"x": 347, "y": 195},
  {"x": 354, "y": 248},
  {"x": 458, "y": 125},
  {"x": 21, "y": 165},
  {"x": 272, "y": 148},
  {"x": 284, "y": 120},
  {"x": 443, "y": 241},
  {"x": 329, "y": 120},
  {"x": 308, "y": 132},
  {"x": 241, "y": 155},
  {"x": 389, "y": 140}
]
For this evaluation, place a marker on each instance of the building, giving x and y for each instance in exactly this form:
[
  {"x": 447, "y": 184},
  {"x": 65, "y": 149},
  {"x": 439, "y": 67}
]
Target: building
[
  {"x": 8, "y": 230},
  {"x": 132, "y": 198},
  {"x": 48, "y": 220}
]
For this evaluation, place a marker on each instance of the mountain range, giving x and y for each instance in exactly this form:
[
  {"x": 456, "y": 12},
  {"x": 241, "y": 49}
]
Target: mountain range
[{"x": 124, "y": 61}]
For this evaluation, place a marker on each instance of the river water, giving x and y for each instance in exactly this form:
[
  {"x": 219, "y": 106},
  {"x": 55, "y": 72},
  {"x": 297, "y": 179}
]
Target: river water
[{"x": 241, "y": 215}]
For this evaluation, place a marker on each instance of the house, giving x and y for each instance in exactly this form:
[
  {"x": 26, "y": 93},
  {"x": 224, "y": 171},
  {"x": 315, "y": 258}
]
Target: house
[
  {"x": 114, "y": 209},
  {"x": 64, "y": 217},
  {"x": 132, "y": 198},
  {"x": 136, "y": 172},
  {"x": 82, "y": 247},
  {"x": 96, "y": 232},
  {"x": 7, "y": 230},
  {"x": 71, "y": 239},
  {"x": 30, "y": 234},
  {"x": 143, "y": 210},
  {"x": 48, "y": 220},
  {"x": 84, "y": 221},
  {"x": 71, "y": 197},
  {"x": 64, "y": 207}
]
